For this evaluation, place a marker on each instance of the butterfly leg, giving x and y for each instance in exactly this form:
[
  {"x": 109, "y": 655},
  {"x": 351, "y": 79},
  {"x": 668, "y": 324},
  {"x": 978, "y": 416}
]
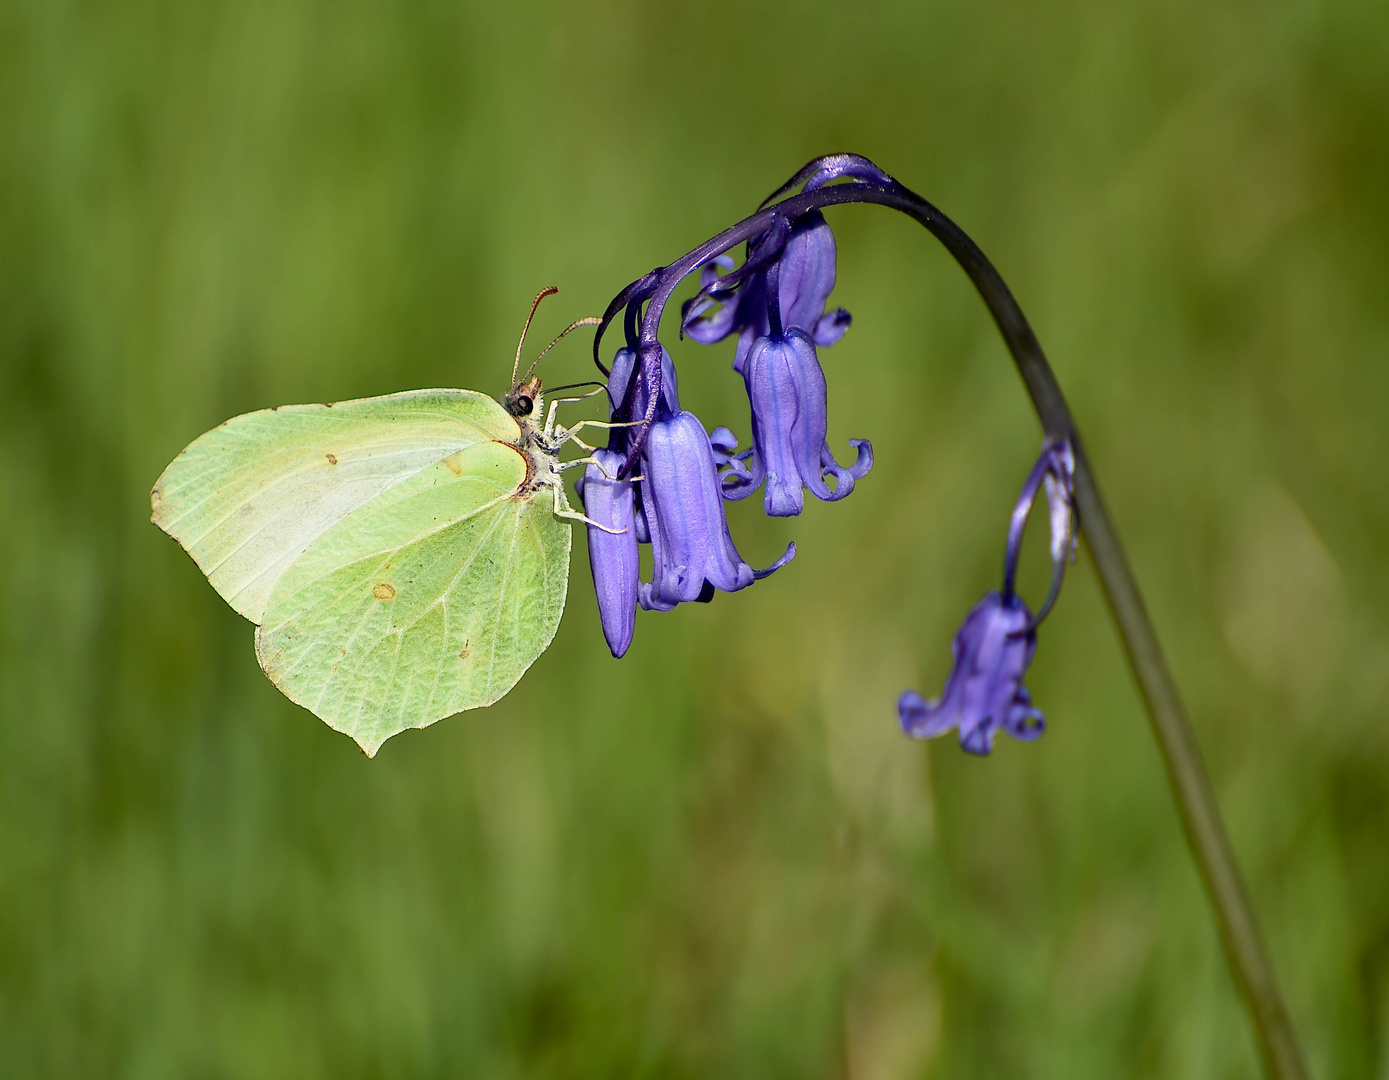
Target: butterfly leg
[
  {"x": 604, "y": 424},
  {"x": 557, "y": 402},
  {"x": 565, "y": 434},
  {"x": 565, "y": 514},
  {"x": 580, "y": 461},
  {"x": 579, "y": 442}
]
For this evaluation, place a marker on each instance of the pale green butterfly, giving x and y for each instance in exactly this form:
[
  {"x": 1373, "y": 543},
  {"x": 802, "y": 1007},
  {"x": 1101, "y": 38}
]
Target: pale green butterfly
[{"x": 403, "y": 557}]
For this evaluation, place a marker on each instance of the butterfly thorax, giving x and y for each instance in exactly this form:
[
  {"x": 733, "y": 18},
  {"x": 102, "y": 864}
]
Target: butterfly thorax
[{"x": 525, "y": 403}]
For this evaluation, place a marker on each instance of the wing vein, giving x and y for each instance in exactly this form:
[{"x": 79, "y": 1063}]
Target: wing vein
[{"x": 501, "y": 597}]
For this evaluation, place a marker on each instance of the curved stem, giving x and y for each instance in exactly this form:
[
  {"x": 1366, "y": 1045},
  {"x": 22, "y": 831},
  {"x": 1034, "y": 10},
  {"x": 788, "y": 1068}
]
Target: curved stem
[
  {"x": 1186, "y": 770},
  {"x": 1191, "y": 786}
]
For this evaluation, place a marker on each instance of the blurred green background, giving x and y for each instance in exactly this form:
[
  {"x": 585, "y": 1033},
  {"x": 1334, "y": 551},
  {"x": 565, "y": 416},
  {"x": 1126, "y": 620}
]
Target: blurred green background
[{"x": 717, "y": 857}]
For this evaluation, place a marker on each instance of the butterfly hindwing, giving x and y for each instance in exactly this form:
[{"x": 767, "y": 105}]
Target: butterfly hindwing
[{"x": 446, "y": 614}]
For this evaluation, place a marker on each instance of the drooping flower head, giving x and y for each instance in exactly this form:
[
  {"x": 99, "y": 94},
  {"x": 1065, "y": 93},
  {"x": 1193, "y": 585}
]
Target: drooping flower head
[
  {"x": 658, "y": 481},
  {"x": 672, "y": 501},
  {"x": 778, "y": 312},
  {"x": 984, "y": 692}
]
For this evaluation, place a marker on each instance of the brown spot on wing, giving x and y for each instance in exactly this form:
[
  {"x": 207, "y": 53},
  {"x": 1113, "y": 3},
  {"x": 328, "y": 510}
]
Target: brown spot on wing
[
  {"x": 332, "y": 459},
  {"x": 455, "y": 462},
  {"x": 383, "y": 591}
]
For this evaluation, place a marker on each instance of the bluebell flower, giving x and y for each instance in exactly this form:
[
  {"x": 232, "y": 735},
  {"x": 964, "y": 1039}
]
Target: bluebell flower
[
  {"x": 624, "y": 364},
  {"x": 786, "y": 387},
  {"x": 984, "y": 691},
  {"x": 612, "y": 556},
  {"x": 776, "y": 357},
  {"x": 805, "y": 269},
  {"x": 692, "y": 549},
  {"x": 672, "y": 501}
]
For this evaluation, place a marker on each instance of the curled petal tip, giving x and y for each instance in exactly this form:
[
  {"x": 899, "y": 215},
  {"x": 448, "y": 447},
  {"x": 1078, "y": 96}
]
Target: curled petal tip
[
  {"x": 831, "y": 326},
  {"x": 786, "y": 557}
]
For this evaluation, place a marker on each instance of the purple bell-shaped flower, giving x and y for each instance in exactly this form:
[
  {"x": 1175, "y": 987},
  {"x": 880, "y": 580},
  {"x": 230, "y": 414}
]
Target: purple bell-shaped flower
[
  {"x": 984, "y": 691},
  {"x": 612, "y": 556},
  {"x": 790, "y": 418},
  {"x": 692, "y": 549}
]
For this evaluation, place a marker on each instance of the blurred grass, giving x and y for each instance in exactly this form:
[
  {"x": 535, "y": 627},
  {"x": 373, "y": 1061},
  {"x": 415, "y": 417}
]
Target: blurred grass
[{"x": 717, "y": 857}]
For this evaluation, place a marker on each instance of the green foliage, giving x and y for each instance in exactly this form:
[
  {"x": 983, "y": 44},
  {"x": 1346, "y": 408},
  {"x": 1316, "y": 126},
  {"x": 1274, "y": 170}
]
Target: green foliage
[{"x": 716, "y": 857}]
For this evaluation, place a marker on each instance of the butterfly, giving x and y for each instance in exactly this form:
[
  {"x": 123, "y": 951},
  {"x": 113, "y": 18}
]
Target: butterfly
[{"x": 403, "y": 557}]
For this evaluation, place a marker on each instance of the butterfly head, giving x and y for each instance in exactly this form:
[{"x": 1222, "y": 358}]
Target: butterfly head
[{"x": 524, "y": 398}]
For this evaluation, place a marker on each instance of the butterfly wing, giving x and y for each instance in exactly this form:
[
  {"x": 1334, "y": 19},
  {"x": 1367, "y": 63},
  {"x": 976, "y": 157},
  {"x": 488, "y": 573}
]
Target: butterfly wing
[{"x": 384, "y": 547}]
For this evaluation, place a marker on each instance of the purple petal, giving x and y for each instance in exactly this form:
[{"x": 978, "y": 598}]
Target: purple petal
[
  {"x": 707, "y": 329},
  {"x": 806, "y": 274},
  {"x": 747, "y": 338},
  {"x": 922, "y": 719},
  {"x": 736, "y": 479},
  {"x": 845, "y": 475},
  {"x": 774, "y": 388},
  {"x": 724, "y": 444},
  {"x": 1024, "y": 721},
  {"x": 623, "y": 364},
  {"x": 786, "y": 557},
  {"x": 690, "y": 541}
]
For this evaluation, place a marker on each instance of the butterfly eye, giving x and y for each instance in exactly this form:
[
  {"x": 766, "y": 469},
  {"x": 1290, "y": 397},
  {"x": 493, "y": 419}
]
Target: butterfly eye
[{"x": 524, "y": 406}]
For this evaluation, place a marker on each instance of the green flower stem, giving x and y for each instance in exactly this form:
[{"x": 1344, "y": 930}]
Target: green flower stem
[{"x": 1191, "y": 785}]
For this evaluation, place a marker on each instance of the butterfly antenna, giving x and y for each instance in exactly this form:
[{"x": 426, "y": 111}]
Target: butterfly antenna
[
  {"x": 576, "y": 385},
  {"x": 592, "y": 320},
  {"x": 549, "y": 290}
]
